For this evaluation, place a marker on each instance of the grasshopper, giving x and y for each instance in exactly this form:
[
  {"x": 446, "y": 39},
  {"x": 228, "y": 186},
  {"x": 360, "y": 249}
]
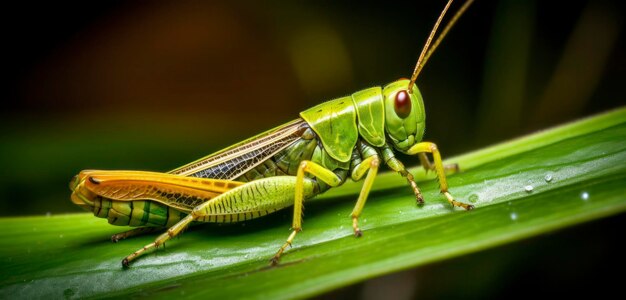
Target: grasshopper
[{"x": 345, "y": 137}]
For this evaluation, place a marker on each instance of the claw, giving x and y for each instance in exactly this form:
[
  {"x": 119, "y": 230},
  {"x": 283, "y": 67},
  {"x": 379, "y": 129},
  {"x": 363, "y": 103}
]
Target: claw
[
  {"x": 125, "y": 263},
  {"x": 274, "y": 261},
  {"x": 420, "y": 199}
]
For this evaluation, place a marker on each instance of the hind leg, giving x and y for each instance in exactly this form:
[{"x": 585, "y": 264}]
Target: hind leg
[
  {"x": 134, "y": 232},
  {"x": 258, "y": 197}
]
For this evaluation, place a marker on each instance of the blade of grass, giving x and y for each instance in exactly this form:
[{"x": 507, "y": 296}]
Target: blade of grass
[{"x": 576, "y": 172}]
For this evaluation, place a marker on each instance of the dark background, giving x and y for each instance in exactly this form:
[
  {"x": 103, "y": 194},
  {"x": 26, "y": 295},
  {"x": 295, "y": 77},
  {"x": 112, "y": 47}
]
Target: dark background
[{"x": 153, "y": 85}]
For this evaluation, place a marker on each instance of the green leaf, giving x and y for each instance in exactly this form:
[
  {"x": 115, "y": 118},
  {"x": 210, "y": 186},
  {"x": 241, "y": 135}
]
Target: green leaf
[{"x": 535, "y": 184}]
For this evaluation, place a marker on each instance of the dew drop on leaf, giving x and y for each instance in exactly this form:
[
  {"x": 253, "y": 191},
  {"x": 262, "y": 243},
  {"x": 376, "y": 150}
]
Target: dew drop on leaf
[
  {"x": 548, "y": 177},
  {"x": 584, "y": 196}
]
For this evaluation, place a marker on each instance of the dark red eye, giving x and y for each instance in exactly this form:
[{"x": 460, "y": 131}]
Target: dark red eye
[{"x": 402, "y": 104}]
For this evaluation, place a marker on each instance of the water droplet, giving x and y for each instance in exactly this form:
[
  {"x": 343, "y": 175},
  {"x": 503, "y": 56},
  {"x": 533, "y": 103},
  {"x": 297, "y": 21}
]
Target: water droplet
[
  {"x": 529, "y": 188},
  {"x": 584, "y": 196},
  {"x": 473, "y": 198},
  {"x": 400, "y": 212},
  {"x": 513, "y": 216},
  {"x": 548, "y": 177}
]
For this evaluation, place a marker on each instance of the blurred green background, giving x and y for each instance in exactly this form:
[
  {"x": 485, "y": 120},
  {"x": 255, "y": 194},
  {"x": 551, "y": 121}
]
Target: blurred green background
[{"x": 153, "y": 85}]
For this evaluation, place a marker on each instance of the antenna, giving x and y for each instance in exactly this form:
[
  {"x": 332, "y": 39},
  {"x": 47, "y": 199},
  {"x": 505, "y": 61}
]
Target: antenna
[{"x": 428, "y": 51}]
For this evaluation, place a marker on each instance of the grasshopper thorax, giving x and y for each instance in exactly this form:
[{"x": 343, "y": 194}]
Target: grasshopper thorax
[{"x": 404, "y": 114}]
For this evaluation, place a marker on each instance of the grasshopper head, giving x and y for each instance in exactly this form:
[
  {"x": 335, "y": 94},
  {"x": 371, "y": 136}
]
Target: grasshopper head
[
  {"x": 82, "y": 196},
  {"x": 404, "y": 114}
]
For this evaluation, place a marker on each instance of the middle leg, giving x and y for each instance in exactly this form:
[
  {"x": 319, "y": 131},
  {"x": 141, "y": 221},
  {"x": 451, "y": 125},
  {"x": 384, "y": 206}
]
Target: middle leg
[
  {"x": 320, "y": 173},
  {"x": 369, "y": 165}
]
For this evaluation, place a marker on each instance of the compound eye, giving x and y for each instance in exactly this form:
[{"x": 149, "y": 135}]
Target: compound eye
[{"x": 402, "y": 104}]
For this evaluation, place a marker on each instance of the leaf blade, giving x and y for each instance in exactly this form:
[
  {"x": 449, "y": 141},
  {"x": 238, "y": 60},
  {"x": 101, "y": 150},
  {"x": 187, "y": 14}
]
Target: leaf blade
[{"x": 70, "y": 254}]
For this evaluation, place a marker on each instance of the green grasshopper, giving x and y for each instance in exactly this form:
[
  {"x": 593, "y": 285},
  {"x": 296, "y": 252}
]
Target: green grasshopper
[{"x": 341, "y": 138}]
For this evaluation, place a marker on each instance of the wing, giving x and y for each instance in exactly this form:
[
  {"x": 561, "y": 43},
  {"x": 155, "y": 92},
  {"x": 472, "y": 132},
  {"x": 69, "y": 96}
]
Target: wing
[
  {"x": 179, "y": 192},
  {"x": 240, "y": 158}
]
